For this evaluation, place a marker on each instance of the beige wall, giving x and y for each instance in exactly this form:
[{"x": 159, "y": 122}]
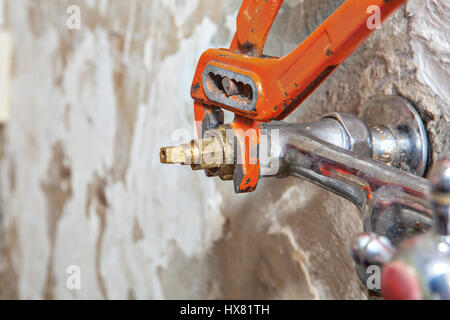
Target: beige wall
[{"x": 81, "y": 182}]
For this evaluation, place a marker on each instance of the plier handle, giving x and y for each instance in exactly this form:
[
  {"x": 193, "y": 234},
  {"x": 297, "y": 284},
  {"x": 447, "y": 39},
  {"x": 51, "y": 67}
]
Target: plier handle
[{"x": 259, "y": 88}]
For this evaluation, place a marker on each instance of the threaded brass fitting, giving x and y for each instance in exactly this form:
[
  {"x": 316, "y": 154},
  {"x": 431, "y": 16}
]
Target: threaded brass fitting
[{"x": 213, "y": 154}]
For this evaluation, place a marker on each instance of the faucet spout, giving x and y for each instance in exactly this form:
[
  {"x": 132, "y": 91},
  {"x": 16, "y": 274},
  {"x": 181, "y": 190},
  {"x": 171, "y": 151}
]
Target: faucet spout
[
  {"x": 353, "y": 177},
  {"x": 393, "y": 202}
]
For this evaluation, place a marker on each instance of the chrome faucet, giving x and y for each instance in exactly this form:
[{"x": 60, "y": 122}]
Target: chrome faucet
[
  {"x": 420, "y": 267},
  {"x": 376, "y": 161}
]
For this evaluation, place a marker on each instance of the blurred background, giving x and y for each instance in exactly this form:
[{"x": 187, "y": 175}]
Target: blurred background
[{"x": 90, "y": 92}]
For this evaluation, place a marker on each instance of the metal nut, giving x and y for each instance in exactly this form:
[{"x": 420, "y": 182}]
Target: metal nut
[{"x": 357, "y": 132}]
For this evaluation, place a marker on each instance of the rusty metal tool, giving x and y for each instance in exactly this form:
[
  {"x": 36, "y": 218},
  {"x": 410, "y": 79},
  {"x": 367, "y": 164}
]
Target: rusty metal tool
[{"x": 259, "y": 88}]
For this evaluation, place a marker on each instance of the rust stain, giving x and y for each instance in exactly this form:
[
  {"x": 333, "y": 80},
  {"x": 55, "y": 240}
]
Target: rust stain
[
  {"x": 96, "y": 197},
  {"x": 57, "y": 189},
  {"x": 9, "y": 247},
  {"x": 138, "y": 233},
  {"x": 127, "y": 100}
]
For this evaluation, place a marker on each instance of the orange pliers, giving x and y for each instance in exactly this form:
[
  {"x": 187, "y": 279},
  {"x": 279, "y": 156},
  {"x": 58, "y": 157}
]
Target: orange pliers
[{"x": 259, "y": 88}]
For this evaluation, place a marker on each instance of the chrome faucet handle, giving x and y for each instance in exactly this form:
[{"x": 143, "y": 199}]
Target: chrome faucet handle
[{"x": 420, "y": 268}]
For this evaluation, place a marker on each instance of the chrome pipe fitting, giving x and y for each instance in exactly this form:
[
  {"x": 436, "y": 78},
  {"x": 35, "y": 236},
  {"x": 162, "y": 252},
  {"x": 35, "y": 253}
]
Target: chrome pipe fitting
[
  {"x": 357, "y": 133},
  {"x": 358, "y": 179},
  {"x": 398, "y": 134},
  {"x": 389, "y": 130}
]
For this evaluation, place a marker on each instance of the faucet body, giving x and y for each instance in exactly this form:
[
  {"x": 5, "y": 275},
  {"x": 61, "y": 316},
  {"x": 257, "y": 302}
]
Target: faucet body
[
  {"x": 359, "y": 179},
  {"x": 374, "y": 161},
  {"x": 341, "y": 153},
  {"x": 393, "y": 202}
]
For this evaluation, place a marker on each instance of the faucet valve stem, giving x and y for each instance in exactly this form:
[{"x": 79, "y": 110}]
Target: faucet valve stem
[{"x": 212, "y": 153}]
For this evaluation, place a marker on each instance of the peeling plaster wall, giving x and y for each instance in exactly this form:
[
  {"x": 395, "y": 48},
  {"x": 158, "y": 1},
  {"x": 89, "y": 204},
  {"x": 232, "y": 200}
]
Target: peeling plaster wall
[{"x": 80, "y": 178}]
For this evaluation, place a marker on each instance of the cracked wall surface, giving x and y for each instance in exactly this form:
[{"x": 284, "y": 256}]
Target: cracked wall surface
[{"x": 81, "y": 183}]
